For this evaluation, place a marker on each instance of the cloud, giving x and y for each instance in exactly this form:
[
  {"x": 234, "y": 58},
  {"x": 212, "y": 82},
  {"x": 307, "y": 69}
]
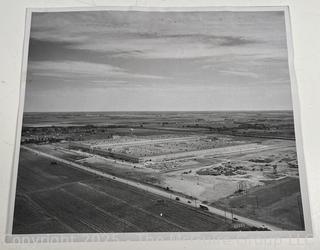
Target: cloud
[
  {"x": 159, "y": 52},
  {"x": 162, "y": 35},
  {"x": 72, "y": 70}
]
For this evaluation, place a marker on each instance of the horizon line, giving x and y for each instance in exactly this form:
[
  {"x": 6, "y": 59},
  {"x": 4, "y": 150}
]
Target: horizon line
[{"x": 135, "y": 111}]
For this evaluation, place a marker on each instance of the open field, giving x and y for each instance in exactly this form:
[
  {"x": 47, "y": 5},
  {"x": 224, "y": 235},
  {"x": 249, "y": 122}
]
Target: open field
[
  {"x": 151, "y": 121},
  {"x": 100, "y": 125},
  {"x": 49, "y": 203},
  {"x": 278, "y": 202},
  {"x": 211, "y": 157},
  {"x": 208, "y": 175}
]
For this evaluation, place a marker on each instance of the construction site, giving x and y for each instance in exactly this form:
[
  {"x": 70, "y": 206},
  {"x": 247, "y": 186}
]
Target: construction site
[
  {"x": 163, "y": 148},
  {"x": 232, "y": 176}
]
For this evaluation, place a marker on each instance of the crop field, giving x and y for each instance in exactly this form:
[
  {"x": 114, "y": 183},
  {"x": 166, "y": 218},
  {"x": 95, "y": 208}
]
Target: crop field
[
  {"x": 276, "y": 201},
  {"x": 57, "y": 198},
  {"x": 231, "y": 160},
  {"x": 132, "y": 127},
  {"x": 37, "y": 173}
]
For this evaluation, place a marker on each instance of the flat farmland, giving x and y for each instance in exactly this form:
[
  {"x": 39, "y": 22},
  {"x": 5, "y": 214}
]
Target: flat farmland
[
  {"x": 56, "y": 198},
  {"x": 36, "y": 173},
  {"x": 277, "y": 202}
]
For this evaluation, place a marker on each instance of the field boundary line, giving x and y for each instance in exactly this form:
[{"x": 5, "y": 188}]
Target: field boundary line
[
  {"x": 139, "y": 208},
  {"x": 102, "y": 210},
  {"x": 163, "y": 193}
]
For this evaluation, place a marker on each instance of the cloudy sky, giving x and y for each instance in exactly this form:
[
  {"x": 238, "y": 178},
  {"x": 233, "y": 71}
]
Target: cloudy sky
[{"x": 133, "y": 61}]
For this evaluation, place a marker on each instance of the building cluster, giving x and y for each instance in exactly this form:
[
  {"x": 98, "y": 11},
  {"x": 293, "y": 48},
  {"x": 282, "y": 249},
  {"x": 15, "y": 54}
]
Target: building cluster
[
  {"x": 105, "y": 153},
  {"x": 225, "y": 168}
]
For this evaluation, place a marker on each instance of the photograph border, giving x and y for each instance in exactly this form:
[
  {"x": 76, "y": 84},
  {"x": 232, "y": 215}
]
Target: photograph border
[{"x": 146, "y": 236}]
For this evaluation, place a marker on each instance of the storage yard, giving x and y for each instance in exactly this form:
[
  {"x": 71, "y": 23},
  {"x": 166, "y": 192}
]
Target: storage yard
[{"x": 215, "y": 165}]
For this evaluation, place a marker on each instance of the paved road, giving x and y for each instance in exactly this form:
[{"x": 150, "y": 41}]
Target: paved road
[{"x": 163, "y": 193}]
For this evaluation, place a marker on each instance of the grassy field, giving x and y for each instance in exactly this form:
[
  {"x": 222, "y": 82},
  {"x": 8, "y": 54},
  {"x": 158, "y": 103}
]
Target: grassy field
[
  {"x": 58, "y": 199},
  {"x": 277, "y": 202}
]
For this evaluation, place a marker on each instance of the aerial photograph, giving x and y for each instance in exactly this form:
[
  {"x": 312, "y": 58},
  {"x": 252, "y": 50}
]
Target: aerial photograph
[{"x": 150, "y": 121}]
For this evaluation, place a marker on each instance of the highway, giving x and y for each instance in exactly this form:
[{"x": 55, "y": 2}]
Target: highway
[{"x": 163, "y": 193}]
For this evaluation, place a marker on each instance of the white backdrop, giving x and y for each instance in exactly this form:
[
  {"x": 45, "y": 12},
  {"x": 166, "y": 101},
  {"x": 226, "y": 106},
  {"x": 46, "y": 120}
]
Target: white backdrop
[{"x": 305, "y": 20}]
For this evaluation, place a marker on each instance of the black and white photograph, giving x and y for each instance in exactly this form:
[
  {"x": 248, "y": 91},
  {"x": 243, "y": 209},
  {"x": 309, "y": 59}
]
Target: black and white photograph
[{"x": 149, "y": 121}]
